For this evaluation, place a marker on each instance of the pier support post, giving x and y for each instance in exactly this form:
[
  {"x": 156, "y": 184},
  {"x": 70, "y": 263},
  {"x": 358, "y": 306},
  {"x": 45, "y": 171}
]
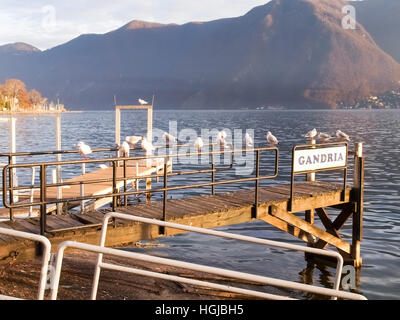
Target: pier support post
[
  {"x": 148, "y": 187},
  {"x": 310, "y": 214},
  {"x": 359, "y": 199}
]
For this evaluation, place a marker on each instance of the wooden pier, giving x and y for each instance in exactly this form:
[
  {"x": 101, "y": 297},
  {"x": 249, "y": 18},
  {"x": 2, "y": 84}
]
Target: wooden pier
[
  {"x": 203, "y": 211},
  {"x": 292, "y": 208}
]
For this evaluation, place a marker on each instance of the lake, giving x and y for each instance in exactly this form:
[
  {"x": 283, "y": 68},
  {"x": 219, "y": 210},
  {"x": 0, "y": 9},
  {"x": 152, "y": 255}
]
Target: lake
[{"x": 379, "y": 277}]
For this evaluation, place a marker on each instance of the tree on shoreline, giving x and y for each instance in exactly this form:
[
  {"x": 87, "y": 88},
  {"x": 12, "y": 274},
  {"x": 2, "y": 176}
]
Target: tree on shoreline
[{"x": 14, "y": 95}]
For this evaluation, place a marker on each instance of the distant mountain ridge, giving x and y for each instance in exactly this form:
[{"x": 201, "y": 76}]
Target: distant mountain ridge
[
  {"x": 381, "y": 18},
  {"x": 17, "y": 48},
  {"x": 286, "y": 52}
]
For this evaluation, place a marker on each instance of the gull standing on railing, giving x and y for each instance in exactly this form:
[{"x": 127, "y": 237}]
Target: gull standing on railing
[
  {"x": 272, "y": 140},
  {"x": 248, "y": 141},
  {"x": 142, "y": 102},
  {"x": 312, "y": 134},
  {"x": 169, "y": 138},
  {"x": 324, "y": 137},
  {"x": 124, "y": 149},
  {"x": 199, "y": 144},
  {"x": 147, "y": 146},
  {"x": 342, "y": 136},
  {"x": 133, "y": 140},
  {"x": 84, "y": 150},
  {"x": 221, "y": 140}
]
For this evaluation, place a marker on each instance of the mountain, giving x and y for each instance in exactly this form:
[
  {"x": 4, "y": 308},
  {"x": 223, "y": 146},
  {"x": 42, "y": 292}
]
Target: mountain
[
  {"x": 17, "y": 48},
  {"x": 287, "y": 52},
  {"x": 381, "y": 19}
]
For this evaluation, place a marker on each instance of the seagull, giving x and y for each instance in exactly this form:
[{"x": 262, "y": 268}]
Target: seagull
[
  {"x": 324, "y": 137},
  {"x": 169, "y": 138},
  {"x": 147, "y": 146},
  {"x": 103, "y": 166},
  {"x": 312, "y": 134},
  {"x": 342, "y": 136},
  {"x": 272, "y": 139},
  {"x": 199, "y": 144},
  {"x": 221, "y": 140},
  {"x": 142, "y": 102},
  {"x": 84, "y": 149},
  {"x": 222, "y": 144},
  {"x": 133, "y": 140},
  {"x": 124, "y": 149},
  {"x": 221, "y": 135},
  {"x": 248, "y": 141}
]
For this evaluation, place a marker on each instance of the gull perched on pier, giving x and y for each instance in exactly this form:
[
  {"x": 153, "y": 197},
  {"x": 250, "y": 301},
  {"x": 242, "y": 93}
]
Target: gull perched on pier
[
  {"x": 312, "y": 134},
  {"x": 147, "y": 146},
  {"x": 272, "y": 140},
  {"x": 248, "y": 141},
  {"x": 169, "y": 138},
  {"x": 342, "y": 136},
  {"x": 124, "y": 149},
  {"x": 84, "y": 149},
  {"x": 142, "y": 102},
  {"x": 324, "y": 137},
  {"x": 133, "y": 140},
  {"x": 221, "y": 135},
  {"x": 199, "y": 144},
  {"x": 221, "y": 140}
]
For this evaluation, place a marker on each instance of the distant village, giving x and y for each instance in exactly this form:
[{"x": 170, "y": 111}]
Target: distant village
[
  {"x": 14, "y": 97},
  {"x": 388, "y": 100}
]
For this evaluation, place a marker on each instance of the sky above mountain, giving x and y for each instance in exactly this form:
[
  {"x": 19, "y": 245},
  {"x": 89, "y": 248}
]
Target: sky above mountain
[{"x": 46, "y": 24}]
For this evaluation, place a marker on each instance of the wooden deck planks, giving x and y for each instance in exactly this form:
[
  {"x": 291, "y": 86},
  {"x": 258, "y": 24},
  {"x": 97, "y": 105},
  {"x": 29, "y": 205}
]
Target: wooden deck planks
[{"x": 229, "y": 208}]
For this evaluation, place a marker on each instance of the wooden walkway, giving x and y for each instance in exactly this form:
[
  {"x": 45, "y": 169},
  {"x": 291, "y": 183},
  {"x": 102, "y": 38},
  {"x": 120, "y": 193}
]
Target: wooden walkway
[{"x": 201, "y": 211}]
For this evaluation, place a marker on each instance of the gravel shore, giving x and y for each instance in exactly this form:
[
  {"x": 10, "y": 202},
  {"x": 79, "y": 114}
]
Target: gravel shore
[{"x": 20, "y": 279}]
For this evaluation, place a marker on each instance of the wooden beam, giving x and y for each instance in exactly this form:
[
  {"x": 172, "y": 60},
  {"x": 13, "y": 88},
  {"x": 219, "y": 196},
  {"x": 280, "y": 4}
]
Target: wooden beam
[
  {"x": 326, "y": 221},
  {"x": 309, "y": 228},
  {"x": 337, "y": 224},
  {"x": 284, "y": 226},
  {"x": 134, "y": 107},
  {"x": 320, "y": 201}
]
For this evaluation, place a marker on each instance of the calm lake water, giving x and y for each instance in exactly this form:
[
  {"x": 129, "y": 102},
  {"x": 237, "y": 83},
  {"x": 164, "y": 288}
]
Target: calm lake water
[{"x": 379, "y": 277}]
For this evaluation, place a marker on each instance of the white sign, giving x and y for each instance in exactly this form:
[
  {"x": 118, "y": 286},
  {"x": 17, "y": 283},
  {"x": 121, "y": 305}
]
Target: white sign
[{"x": 322, "y": 158}]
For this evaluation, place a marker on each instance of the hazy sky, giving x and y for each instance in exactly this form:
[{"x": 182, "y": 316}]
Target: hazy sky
[{"x": 47, "y": 23}]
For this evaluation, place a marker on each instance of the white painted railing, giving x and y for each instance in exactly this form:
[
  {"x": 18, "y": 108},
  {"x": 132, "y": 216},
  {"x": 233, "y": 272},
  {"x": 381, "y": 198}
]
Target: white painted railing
[
  {"x": 197, "y": 267},
  {"x": 45, "y": 258}
]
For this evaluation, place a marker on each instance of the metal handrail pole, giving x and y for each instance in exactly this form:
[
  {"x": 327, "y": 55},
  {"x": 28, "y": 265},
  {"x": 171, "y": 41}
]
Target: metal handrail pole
[
  {"x": 46, "y": 248},
  {"x": 11, "y": 185},
  {"x": 114, "y": 185},
  {"x": 212, "y": 171},
  {"x": 191, "y": 266},
  {"x": 257, "y": 184},
  {"x": 125, "y": 185},
  {"x": 137, "y": 256},
  {"x": 43, "y": 207},
  {"x": 315, "y": 251}
]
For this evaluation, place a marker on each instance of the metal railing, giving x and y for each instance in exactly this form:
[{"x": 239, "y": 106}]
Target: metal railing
[
  {"x": 11, "y": 156},
  {"x": 8, "y": 187},
  {"x": 45, "y": 249},
  {"x": 101, "y": 250}
]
